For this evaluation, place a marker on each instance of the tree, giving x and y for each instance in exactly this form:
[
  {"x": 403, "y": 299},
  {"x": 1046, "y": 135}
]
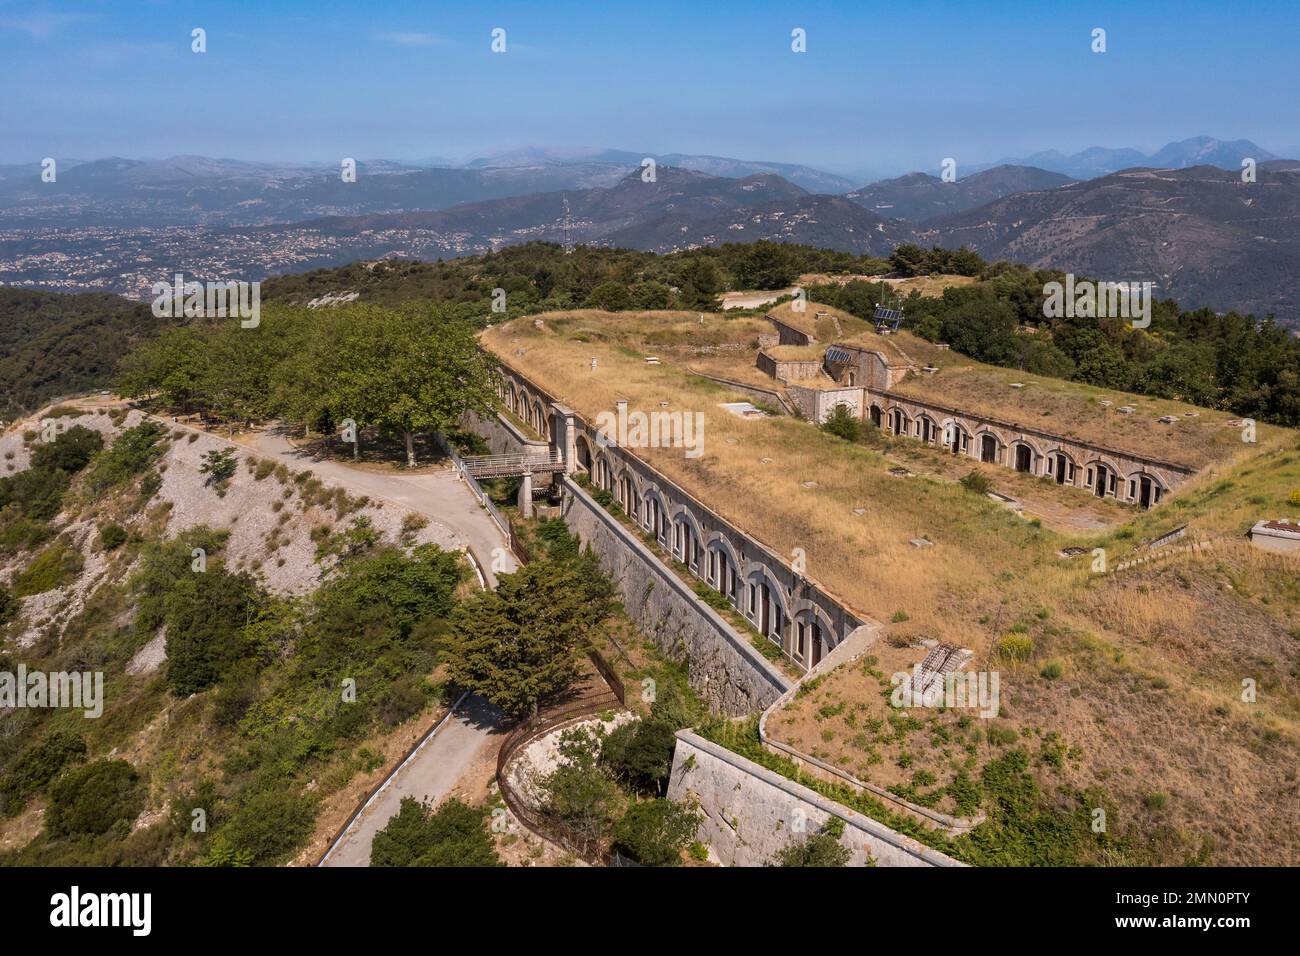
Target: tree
[
  {"x": 610, "y": 296},
  {"x": 579, "y": 792},
  {"x": 641, "y": 752},
  {"x": 519, "y": 644},
  {"x": 405, "y": 370},
  {"x": 656, "y": 832},
  {"x": 418, "y": 835},
  {"x": 70, "y": 451}
]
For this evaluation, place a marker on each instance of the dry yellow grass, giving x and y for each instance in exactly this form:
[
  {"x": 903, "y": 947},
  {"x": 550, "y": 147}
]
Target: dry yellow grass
[{"x": 1151, "y": 660}]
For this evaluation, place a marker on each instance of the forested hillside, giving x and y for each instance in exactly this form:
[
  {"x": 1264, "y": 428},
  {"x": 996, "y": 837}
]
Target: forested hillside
[{"x": 54, "y": 344}]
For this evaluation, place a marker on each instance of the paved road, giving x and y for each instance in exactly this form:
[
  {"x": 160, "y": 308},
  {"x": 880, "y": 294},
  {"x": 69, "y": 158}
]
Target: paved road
[
  {"x": 440, "y": 495},
  {"x": 430, "y": 773},
  {"x": 433, "y": 770}
]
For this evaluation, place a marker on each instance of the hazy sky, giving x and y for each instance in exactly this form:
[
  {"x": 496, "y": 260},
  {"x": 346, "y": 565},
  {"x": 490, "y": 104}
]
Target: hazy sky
[{"x": 882, "y": 85}]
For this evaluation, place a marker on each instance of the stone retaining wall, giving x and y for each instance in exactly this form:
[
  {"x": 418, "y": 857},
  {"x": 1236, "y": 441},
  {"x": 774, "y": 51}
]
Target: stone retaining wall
[{"x": 752, "y": 813}]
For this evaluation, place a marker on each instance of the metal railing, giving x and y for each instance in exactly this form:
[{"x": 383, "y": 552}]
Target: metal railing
[{"x": 504, "y": 466}]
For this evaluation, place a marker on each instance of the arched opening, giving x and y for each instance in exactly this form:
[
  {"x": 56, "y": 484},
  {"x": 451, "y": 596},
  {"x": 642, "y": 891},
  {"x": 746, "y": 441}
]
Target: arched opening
[
  {"x": 686, "y": 543},
  {"x": 722, "y": 571},
  {"x": 1061, "y": 468},
  {"x": 897, "y": 421},
  {"x": 957, "y": 439},
  {"x": 1024, "y": 457},
  {"x": 583, "y": 453},
  {"x": 988, "y": 448},
  {"x": 765, "y": 608},
  {"x": 926, "y": 430},
  {"x": 1145, "y": 490},
  {"x": 627, "y": 497},
  {"x": 875, "y": 415},
  {"x": 654, "y": 517},
  {"x": 1101, "y": 479}
]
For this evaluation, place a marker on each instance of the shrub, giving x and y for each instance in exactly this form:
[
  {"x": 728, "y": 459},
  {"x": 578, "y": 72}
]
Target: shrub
[
  {"x": 656, "y": 832},
  {"x": 1051, "y": 670},
  {"x": 134, "y": 451},
  {"x": 1294, "y": 498},
  {"x": 219, "y": 465},
  {"x": 1015, "y": 647},
  {"x": 454, "y": 835},
  {"x": 70, "y": 452},
  {"x": 8, "y": 606},
  {"x": 37, "y": 766},
  {"x": 112, "y": 536},
  {"x": 37, "y": 493},
  {"x": 54, "y": 567},
  {"x": 976, "y": 482},
  {"x": 640, "y": 752},
  {"x": 265, "y": 828},
  {"x": 821, "y": 849},
  {"x": 93, "y": 798},
  {"x": 842, "y": 424}
]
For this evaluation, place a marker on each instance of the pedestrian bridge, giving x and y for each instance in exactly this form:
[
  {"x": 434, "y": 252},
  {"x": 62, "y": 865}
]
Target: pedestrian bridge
[{"x": 522, "y": 463}]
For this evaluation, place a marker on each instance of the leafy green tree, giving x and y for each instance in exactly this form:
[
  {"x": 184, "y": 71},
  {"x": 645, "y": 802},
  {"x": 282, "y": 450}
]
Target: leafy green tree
[
  {"x": 519, "y": 644},
  {"x": 655, "y": 833},
  {"x": 610, "y": 296},
  {"x": 579, "y": 792},
  {"x": 452, "y": 835},
  {"x": 405, "y": 370},
  {"x": 37, "y": 765},
  {"x": 822, "y": 849},
  {"x": 205, "y": 614},
  {"x": 641, "y": 753},
  {"x": 264, "y": 828}
]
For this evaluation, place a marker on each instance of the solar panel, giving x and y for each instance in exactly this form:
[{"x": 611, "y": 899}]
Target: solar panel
[
  {"x": 888, "y": 315},
  {"x": 838, "y": 355}
]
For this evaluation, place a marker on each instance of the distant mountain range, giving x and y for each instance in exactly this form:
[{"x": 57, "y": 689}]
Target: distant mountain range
[
  {"x": 1196, "y": 231},
  {"x": 1099, "y": 161},
  {"x": 1200, "y": 234},
  {"x": 920, "y": 196}
]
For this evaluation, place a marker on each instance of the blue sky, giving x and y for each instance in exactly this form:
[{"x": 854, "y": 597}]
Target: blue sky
[{"x": 882, "y": 84}]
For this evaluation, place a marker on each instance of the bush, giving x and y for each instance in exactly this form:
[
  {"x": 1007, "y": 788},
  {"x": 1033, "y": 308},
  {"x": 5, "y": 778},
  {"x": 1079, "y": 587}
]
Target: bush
[
  {"x": 267, "y": 827},
  {"x": 54, "y": 567},
  {"x": 976, "y": 482},
  {"x": 656, "y": 832},
  {"x": 454, "y": 835},
  {"x": 133, "y": 452},
  {"x": 821, "y": 849},
  {"x": 8, "y": 606},
  {"x": 1294, "y": 499},
  {"x": 112, "y": 536},
  {"x": 1015, "y": 647},
  {"x": 1051, "y": 670},
  {"x": 37, "y": 766},
  {"x": 205, "y": 614},
  {"x": 842, "y": 424},
  {"x": 37, "y": 493},
  {"x": 219, "y": 465},
  {"x": 93, "y": 798},
  {"x": 70, "y": 452},
  {"x": 640, "y": 753}
]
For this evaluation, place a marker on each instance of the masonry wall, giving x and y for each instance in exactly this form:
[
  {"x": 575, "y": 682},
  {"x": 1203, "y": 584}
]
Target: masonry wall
[
  {"x": 723, "y": 669},
  {"x": 502, "y": 436},
  {"x": 1043, "y": 446},
  {"x": 751, "y": 813},
  {"x": 634, "y": 484}
]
